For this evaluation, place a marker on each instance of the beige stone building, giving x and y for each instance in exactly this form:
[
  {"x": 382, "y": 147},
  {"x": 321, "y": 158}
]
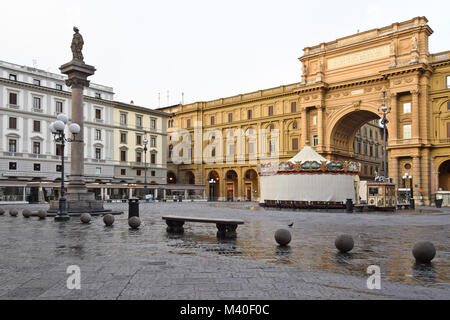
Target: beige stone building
[
  {"x": 369, "y": 149},
  {"x": 341, "y": 89}
]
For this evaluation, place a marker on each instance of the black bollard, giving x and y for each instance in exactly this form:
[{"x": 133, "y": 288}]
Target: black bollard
[
  {"x": 349, "y": 206},
  {"x": 412, "y": 205},
  {"x": 133, "y": 207}
]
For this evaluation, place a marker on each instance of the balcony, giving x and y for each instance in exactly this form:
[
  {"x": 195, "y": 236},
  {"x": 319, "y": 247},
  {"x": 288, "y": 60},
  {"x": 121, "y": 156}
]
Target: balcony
[
  {"x": 13, "y": 106},
  {"x": 38, "y": 110},
  {"x": 13, "y": 154}
]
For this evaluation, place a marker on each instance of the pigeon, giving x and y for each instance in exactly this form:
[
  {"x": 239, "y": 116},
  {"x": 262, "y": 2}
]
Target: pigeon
[{"x": 290, "y": 225}]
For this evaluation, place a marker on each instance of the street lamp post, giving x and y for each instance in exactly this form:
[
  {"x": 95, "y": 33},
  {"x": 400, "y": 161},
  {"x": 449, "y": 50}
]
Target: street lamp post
[
  {"x": 145, "y": 167},
  {"x": 211, "y": 189},
  {"x": 384, "y": 121},
  {"x": 57, "y": 128}
]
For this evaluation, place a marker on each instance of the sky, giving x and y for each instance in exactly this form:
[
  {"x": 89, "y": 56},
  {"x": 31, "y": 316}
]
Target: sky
[{"x": 206, "y": 49}]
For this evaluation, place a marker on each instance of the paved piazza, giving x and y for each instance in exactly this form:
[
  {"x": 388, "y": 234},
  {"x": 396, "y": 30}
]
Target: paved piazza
[{"x": 119, "y": 263}]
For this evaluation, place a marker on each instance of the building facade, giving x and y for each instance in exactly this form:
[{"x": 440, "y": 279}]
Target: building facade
[
  {"x": 30, "y": 160},
  {"x": 369, "y": 149},
  {"x": 343, "y": 85},
  {"x": 30, "y": 100}
]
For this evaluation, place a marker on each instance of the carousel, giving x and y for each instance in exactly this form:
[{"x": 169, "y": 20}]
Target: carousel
[{"x": 308, "y": 180}]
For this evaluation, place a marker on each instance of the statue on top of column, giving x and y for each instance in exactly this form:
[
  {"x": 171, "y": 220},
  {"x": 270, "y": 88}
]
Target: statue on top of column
[{"x": 77, "y": 45}]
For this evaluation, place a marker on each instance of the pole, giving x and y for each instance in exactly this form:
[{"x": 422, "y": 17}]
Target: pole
[
  {"x": 145, "y": 171},
  {"x": 385, "y": 147},
  {"x": 62, "y": 214}
]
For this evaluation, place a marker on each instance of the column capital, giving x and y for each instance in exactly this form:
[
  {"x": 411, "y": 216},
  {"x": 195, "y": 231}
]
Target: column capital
[
  {"x": 77, "y": 83},
  {"x": 415, "y": 92},
  {"x": 393, "y": 95},
  {"x": 320, "y": 107}
]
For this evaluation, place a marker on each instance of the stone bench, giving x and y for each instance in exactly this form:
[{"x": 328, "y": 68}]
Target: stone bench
[{"x": 226, "y": 227}]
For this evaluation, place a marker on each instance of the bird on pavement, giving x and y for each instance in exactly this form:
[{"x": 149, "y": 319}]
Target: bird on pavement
[{"x": 290, "y": 225}]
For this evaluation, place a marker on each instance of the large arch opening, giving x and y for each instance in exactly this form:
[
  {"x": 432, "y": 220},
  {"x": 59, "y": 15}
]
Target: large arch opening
[
  {"x": 251, "y": 189},
  {"x": 189, "y": 177},
  {"x": 231, "y": 183},
  {"x": 444, "y": 176},
  {"x": 359, "y": 136}
]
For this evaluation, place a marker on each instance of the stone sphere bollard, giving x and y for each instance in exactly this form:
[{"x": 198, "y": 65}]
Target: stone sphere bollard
[
  {"x": 42, "y": 214},
  {"x": 344, "y": 243},
  {"x": 26, "y": 213},
  {"x": 134, "y": 222},
  {"x": 13, "y": 212},
  {"x": 85, "y": 217},
  {"x": 108, "y": 219},
  {"x": 424, "y": 251},
  {"x": 2, "y": 212},
  {"x": 282, "y": 237}
]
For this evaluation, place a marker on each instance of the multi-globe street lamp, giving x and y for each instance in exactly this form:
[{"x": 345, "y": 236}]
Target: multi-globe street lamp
[
  {"x": 145, "y": 167},
  {"x": 57, "y": 129},
  {"x": 384, "y": 110}
]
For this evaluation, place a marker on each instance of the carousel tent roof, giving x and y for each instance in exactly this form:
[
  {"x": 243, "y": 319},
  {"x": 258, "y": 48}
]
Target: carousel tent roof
[{"x": 308, "y": 154}]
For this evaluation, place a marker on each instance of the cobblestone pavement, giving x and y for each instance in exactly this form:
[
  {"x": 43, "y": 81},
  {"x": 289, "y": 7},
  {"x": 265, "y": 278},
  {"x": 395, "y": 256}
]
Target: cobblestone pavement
[{"x": 120, "y": 263}]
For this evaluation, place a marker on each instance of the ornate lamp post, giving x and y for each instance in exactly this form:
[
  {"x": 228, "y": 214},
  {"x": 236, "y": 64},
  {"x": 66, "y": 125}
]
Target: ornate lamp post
[
  {"x": 384, "y": 110},
  {"x": 145, "y": 167},
  {"x": 212, "y": 182},
  {"x": 57, "y": 129},
  {"x": 411, "y": 198}
]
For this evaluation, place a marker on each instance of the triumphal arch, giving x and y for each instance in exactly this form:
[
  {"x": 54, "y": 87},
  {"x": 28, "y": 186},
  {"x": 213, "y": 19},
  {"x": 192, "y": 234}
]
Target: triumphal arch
[{"x": 343, "y": 85}]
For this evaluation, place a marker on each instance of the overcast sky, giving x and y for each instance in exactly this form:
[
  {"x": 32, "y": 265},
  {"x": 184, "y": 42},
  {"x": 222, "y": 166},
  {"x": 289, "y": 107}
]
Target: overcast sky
[{"x": 207, "y": 49}]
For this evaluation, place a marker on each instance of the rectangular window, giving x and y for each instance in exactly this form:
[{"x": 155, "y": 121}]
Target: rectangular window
[
  {"x": 98, "y": 170},
  {"x": 293, "y": 107},
  {"x": 153, "y": 173},
  {"x": 407, "y": 131},
  {"x": 36, "y": 126},
  {"x": 188, "y": 123},
  {"x": 36, "y": 82},
  {"x": 139, "y": 121},
  {"x": 315, "y": 140},
  {"x": 448, "y": 129},
  {"x": 13, "y": 98},
  {"x": 98, "y": 95},
  {"x": 138, "y": 139},
  {"x": 314, "y": 120},
  {"x": 13, "y": 166},
  {"x": 170, "y": 123},
  {"x": 123, "y": 119},
  {"x": 12, "y": 145},
  {"x": 59, "y": 87},
  {"x": 123, "y": 155},
  {"x": 59, "y": 107},
  {"x": 123, "y": 137},
  {"x": 448, "y": 82},
  {"x": 123, "y": 172},
  {"x": 36, "y": 147},
  {"x": 153, "y": 123},
  {"x": 231, "y": 150},
  {"x": 98, "y": 153},
  {"x": 230, "y": 117},
  {"x": 138, "y": 157},
  {"x": 270, "y": 111},
  {"x": 138, "y": 172},
  {"x": 153, "y": 158},
  {"x": 250, "y": 148},
  {"x": 376, "y": 151},
  {"x": 448, "y": 106},
  {"x": 295, "y": 144},
  {"x": 249, "y": 114},
  {"x": 359, "y": 147},
  {"x": 36, "y": 103},
  {"x": 98, "y": 134},
  {"x": 153, "y": 142},
  {"x": 58, "y": 168},
  {"x": 212, "y": 120},
  {"x": 58, "y": 150},
  {"x": 37, "y": 167},
  {"x": 407, "y": 107},
  {"x": 12, "y": 123},
  {"x": 98, "y": 114},
  {"x": 12, "y": 77},
  {"x": 371, "y": 151},
  {"x": 365, "y": 149}
]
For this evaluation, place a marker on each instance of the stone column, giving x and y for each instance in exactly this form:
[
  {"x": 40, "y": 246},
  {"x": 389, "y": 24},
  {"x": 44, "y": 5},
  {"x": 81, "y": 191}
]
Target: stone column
[
  {"x": 77, "y": 73},
  {"x": 164, "y": 193},
  {"x": 156, "y": 194},
  {"x": 304, "y": 128},
  {"x": 186, "y": 194},
  {"x": 393, "y": 133},
  {"x": 415, "y": 130},
  {"x": 320, "y": 126},
  {"x": 416, "y": 174}
]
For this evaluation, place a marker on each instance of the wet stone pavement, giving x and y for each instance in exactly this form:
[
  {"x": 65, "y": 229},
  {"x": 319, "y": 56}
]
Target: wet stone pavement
[{"x": 120, "y": 263}]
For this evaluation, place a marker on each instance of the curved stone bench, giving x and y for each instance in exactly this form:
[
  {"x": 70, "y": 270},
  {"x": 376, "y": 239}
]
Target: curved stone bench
[{"x": 226, "y": 227}]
